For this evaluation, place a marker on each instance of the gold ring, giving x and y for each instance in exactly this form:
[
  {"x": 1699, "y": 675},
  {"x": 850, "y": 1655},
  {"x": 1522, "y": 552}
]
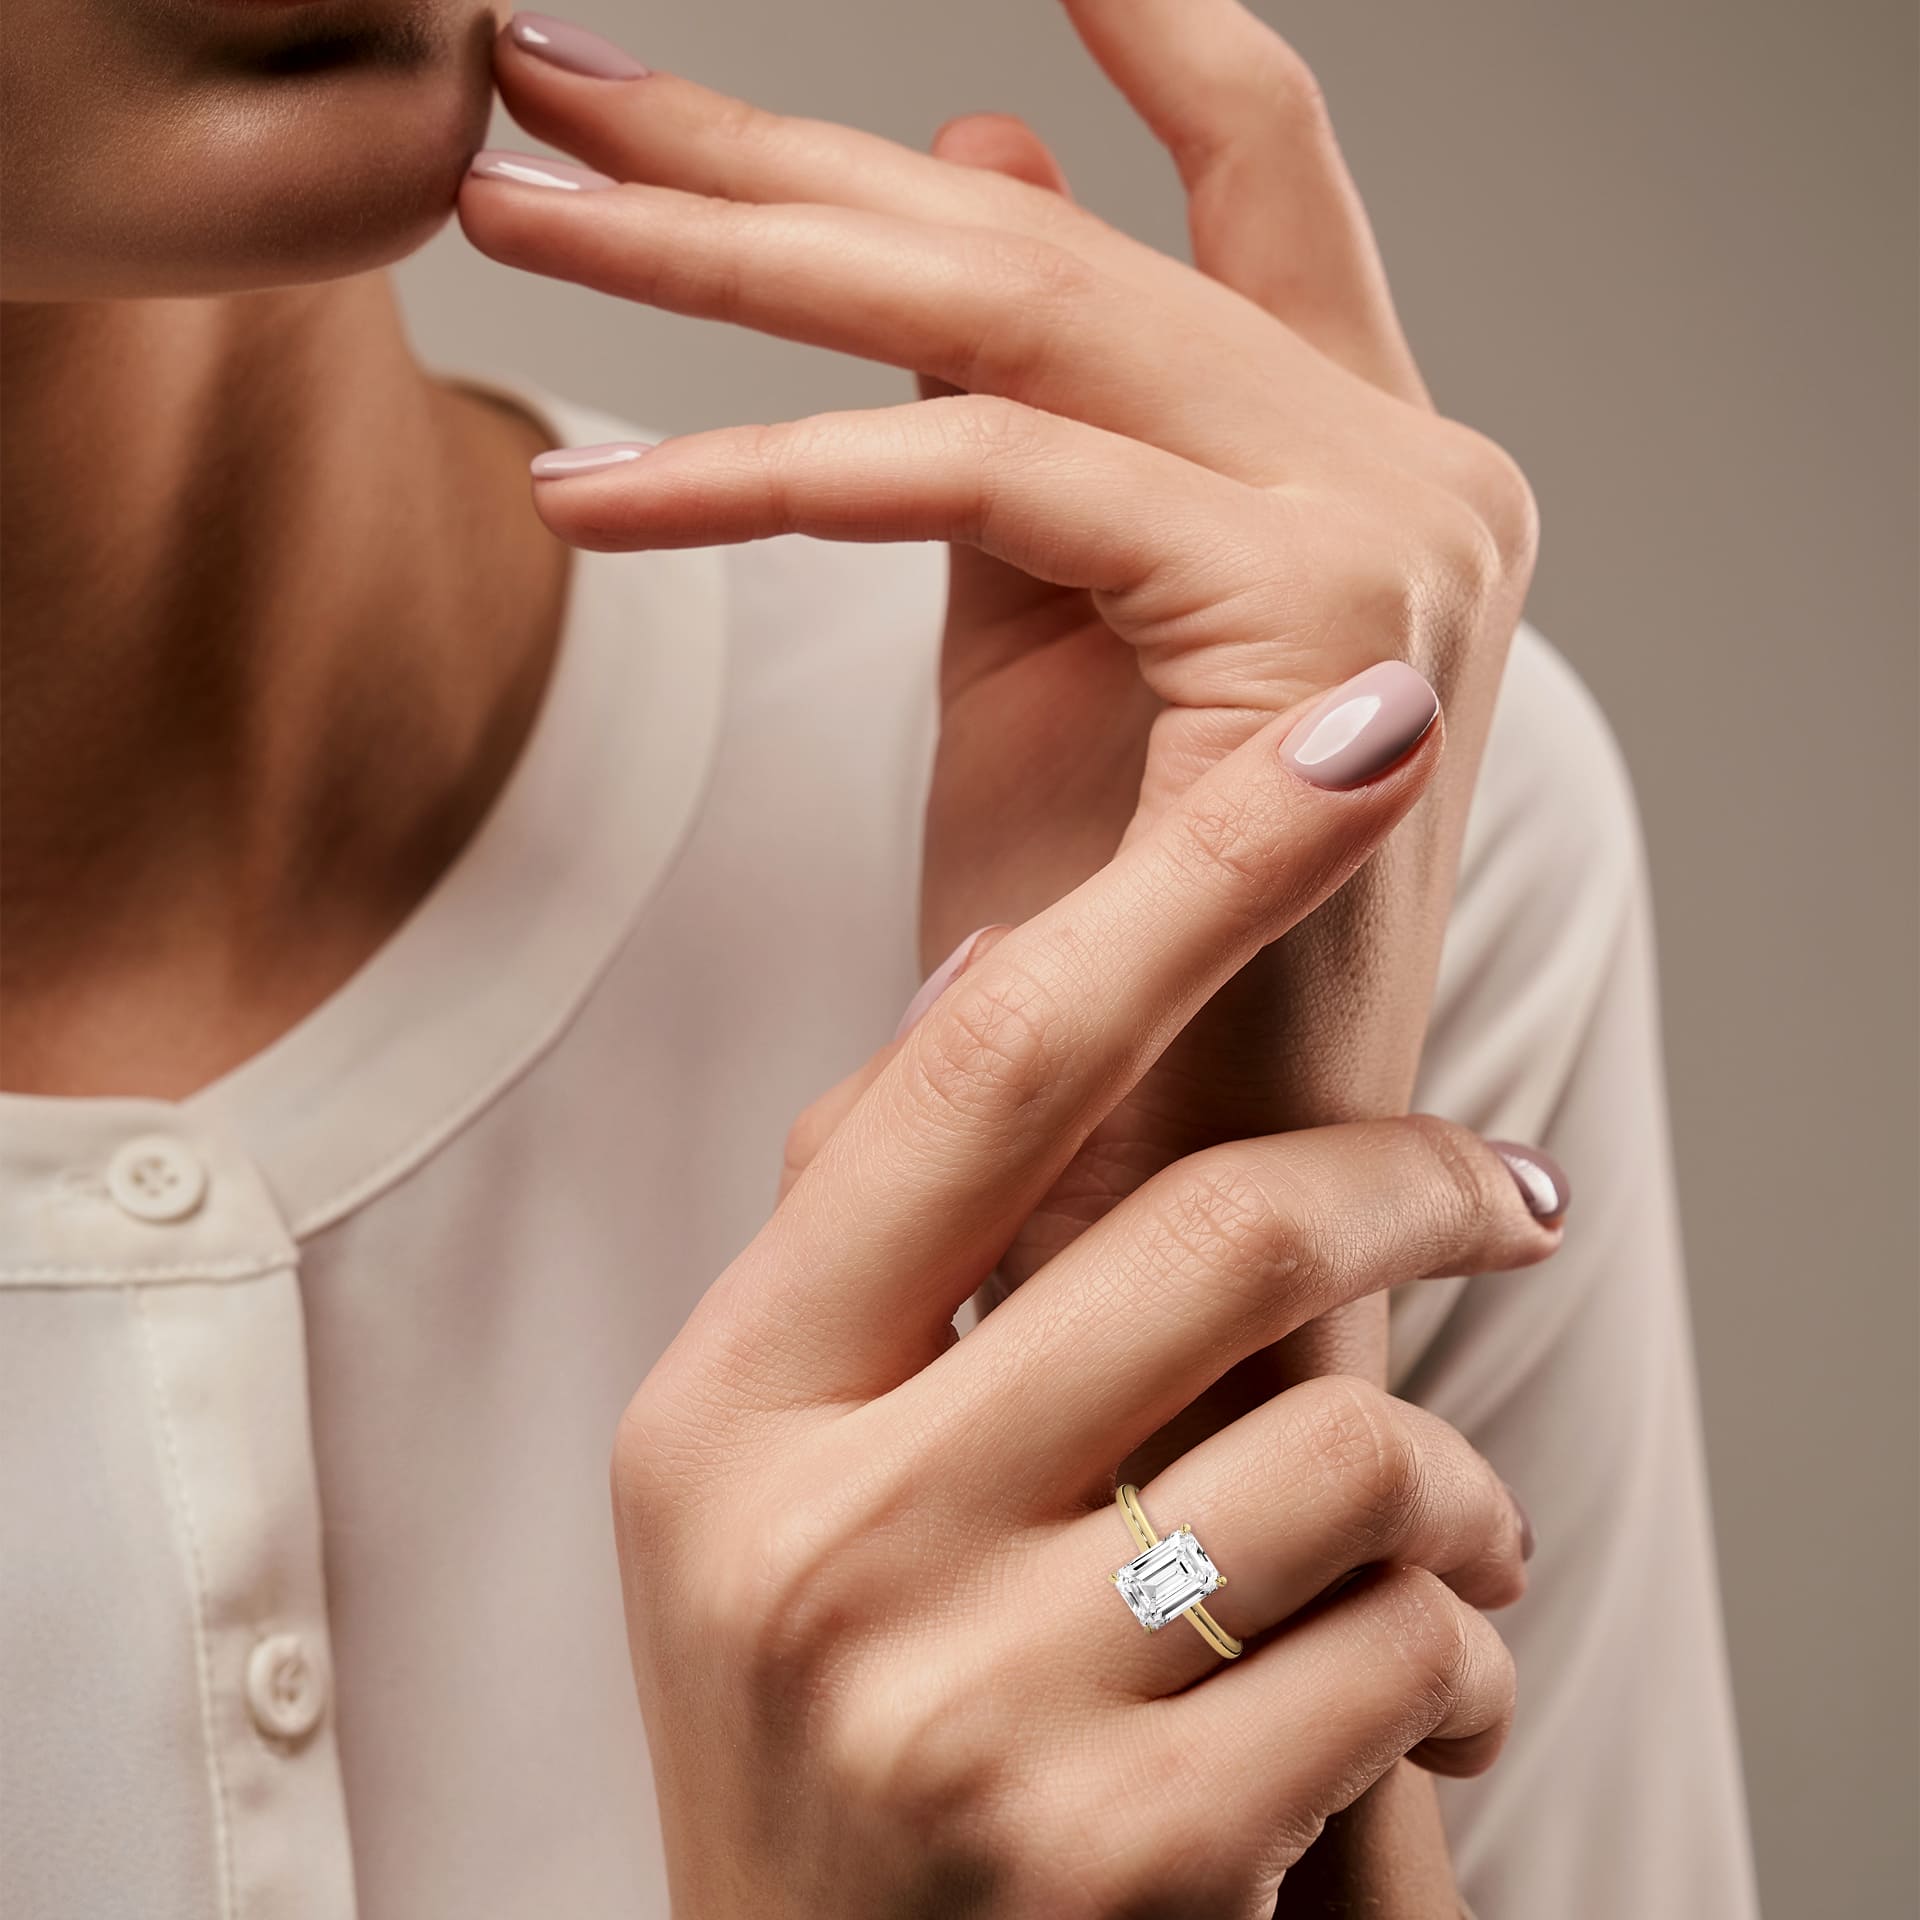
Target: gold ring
[{"x": 1169, "y": 1578}]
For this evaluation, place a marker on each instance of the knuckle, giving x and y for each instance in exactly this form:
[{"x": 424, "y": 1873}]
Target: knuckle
[
  {"x": 1434, "y": 1637},
  {"x": 1362, "y": 1451},
  {"x": 1223, "y": 845},
  {"x": 1037, "y": 268},
  {"x": 1507, "y": 1580},
  {"x": 633, "y": 1448},
  {"x": 1284, "y": 77},
  {"x": 1467, "y": 560},
  {"x": 1270, "y": 82},
  {"x": 991, "y": 439},
  {"x": 1424, "y": 582},
  {"x": 1383, "y": 583},
  {"x": 984, "y": 423},
  {"x": 1453, "y": 1172},
  {"x": 1503, "y": 498},
  {"x": 1024, "y": 293},
  {"x": 1492, "y": 485},
  {"x": 804, "y": 1140},
  {"x": 640, "y": 1472},
  {"x": 735, "y": 123},
  {"x": 1212, "y": 1208},
  {"x": 992, "y": 1050}
]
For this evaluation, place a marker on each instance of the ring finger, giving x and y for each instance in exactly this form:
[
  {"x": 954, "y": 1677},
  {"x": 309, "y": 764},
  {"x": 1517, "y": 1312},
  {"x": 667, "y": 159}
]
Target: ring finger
[{"x": 1332, "y": 1476}]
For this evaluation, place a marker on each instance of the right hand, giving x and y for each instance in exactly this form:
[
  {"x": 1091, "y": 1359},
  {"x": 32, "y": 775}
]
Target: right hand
[{"x": 866, "y": 1567}]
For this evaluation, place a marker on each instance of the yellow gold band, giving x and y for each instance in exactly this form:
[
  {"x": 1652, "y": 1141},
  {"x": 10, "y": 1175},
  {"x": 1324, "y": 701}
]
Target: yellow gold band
[{"x": 1204, "y": 1624}]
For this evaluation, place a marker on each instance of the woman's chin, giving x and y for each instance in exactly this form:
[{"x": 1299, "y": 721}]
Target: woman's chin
[{"x": 251, "y": 180}]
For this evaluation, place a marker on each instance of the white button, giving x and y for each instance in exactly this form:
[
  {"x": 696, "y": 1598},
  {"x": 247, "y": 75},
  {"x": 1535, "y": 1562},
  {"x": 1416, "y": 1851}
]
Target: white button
[
  {"x": 156, "y": 1178},
  {"x": 286, "y": 1688}
]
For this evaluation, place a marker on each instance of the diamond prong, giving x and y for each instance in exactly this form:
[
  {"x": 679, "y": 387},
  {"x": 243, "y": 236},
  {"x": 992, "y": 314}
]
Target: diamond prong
[
  {"x": 1184, "y": 1528},
  {"x": 1219, "y": 1581}
]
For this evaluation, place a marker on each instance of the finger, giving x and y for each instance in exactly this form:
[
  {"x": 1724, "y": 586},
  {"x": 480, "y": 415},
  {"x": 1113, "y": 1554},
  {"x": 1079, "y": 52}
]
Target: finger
[
  {"x": 1216, "y": 1258},
  {"x": 1272, "y": 209},
  {"x": 1394, "y": 1665},
  {"x": 1332, "y": 1476},
  {"x": 986, "y": 598},
  {"x": 921, "y": 1188},
  {"x": 814, "y": 1127},
  {"x": 986, "y": 310},
  {"x": 1062, "y": 502},
  {"x": 817, "y": 1122},
  {"x": 669, "y": 130},
  {"x": 1217, "y": 585},
  {"x": 1001, "y": 143}
]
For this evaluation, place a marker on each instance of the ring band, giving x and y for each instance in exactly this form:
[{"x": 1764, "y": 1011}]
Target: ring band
[{"x": 1169, "y": 1577}]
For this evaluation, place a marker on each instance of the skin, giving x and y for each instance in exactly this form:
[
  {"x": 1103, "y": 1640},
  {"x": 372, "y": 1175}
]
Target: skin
[
  {"x": 841, "y": 1719},
  {"x": 1232, "y": 469},
  {"x": 236, "y": 799},
  {"x": 221, "y": 788}
]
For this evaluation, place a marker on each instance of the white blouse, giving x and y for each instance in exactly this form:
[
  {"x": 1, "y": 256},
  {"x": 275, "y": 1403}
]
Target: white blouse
[{"x": 308, "y": 1605}]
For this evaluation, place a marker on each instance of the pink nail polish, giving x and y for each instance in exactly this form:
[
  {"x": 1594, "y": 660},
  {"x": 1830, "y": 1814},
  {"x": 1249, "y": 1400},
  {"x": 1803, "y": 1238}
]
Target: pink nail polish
[
  {"x": 1542, "y": 1181},
  {"x": 938, "y": 981},
  {"x": 537, "y": 170},
  {"x": 557, "y": 463},
  {"x": 564, "y": 45},
  {"x": 1526, "y": 1523},
  {"x": 1362, "y": 728}
]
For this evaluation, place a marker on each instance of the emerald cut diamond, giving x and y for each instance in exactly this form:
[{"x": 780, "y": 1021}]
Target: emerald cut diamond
[{"x": 1166, "y": 1580}]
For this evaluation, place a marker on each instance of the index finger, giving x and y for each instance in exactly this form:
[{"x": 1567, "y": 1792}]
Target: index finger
[{"x": 853, "y": 1284}]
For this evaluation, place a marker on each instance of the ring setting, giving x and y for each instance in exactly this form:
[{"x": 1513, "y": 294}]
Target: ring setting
[{"x": 1169, "y": 1578}]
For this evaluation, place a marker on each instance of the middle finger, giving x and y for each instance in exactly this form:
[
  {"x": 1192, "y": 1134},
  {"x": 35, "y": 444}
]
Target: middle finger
[
  {"x": 1215, "y": 1259},
  {"x": 985, "y": 309}
]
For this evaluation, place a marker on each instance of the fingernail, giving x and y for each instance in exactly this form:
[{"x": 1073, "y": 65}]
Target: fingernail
[
  {"x": 1526, "y": 1523},
  {"x": 938, "y": 981},
  {"x": 573, "y": 48},
  {"x": 1361, "y": 729},
  {"x": 537, "y": 170},
  {"x": 558, "y": 462},
  {"x": 1540, "y": 1177}
]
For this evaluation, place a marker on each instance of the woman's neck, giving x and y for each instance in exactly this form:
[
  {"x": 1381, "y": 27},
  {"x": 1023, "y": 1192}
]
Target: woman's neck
[{"x": 277, "y": 616}]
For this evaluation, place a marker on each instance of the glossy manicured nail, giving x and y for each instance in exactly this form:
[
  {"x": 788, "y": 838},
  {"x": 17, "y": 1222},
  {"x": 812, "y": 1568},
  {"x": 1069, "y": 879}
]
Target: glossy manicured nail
[
  {"x": 537, "y": 170},
  {"x": 1526, "y": 1523},
  {"x": 558, "y": 462},
  {"x": 1362, "y": 728},
  {"x": 571, "y": 47},
  {"x": 938, "y": 981},
  {"x": 1541, "y": 1179}
]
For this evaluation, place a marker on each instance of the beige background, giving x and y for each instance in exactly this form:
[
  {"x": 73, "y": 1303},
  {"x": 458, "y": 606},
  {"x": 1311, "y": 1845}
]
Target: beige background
[{"x": 1665, "y": 250}]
